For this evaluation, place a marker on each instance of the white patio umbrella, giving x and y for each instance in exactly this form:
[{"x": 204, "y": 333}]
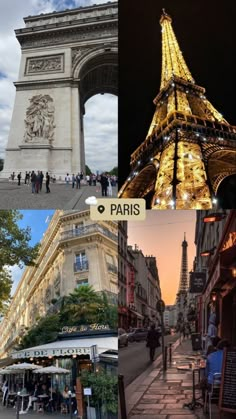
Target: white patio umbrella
[
  {"x": 22, "y": 368},
  {"x": 51, "y": 370}
]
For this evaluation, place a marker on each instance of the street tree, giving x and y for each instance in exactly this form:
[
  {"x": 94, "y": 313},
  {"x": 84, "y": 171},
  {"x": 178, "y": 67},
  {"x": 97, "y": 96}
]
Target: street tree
[
  {"x": 14, "y": 241},
  {"x": 14, "y": 250}
]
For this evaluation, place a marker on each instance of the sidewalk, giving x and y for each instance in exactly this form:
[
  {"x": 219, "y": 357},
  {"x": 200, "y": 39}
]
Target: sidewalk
[
  {"x": 62, "y": 196},
  {"x": 159, "y": 395},
  {"x": 10, "y": 413}
]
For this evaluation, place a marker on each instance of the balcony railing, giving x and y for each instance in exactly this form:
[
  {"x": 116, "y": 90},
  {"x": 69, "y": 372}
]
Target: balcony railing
[
  {"x": 81, "y": 266},
  {"x": 112, "y": 268},
  {"x": 86, "y": 230}
]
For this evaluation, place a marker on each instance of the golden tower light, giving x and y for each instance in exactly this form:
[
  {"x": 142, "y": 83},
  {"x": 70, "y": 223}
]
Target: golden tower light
[{"x": 189, "y": 149}]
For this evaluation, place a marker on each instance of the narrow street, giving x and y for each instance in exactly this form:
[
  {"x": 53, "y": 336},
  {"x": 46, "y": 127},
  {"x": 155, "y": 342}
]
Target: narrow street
[{"x": 134, "y": 359}]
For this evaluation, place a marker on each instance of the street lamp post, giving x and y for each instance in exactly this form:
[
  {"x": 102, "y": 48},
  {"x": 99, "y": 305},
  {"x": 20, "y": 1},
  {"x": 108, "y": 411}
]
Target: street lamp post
[{"x": 160, "y": 306}]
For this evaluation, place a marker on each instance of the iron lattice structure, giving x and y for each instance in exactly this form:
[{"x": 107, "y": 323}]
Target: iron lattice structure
[
  {"x": 189, "y": 149},
  {"x": 181, "y": 296}
]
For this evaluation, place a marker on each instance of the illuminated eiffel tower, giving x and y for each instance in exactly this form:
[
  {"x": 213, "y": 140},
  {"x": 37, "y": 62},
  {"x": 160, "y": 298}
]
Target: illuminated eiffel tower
[
  {"x": 189, "y": 149},
  {"x": 181, "y": 296}
]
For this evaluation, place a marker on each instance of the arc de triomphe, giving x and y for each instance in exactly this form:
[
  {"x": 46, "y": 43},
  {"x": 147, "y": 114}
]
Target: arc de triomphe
[{"x": 67, "y": 57}]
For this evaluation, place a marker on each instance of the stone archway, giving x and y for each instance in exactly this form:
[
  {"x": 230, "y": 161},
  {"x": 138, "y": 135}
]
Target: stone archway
[{"x": 67, "y": 57}]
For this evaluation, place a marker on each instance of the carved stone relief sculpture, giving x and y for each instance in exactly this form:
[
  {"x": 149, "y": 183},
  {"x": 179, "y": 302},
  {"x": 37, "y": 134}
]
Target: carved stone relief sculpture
[
  {"x": 39, "y": 122},
  {"x": 45, "y": 64}
]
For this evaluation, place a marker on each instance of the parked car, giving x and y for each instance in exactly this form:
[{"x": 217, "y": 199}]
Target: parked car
[
  {"x": 122, "y": 338},
  {"x": 137, "y": 335}
]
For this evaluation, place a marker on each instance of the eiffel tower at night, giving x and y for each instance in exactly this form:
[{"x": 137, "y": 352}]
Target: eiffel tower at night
[{"x": 190, "y": 149}]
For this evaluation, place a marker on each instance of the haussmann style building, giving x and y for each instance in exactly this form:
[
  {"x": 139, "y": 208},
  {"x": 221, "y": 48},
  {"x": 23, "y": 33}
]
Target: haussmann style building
[{"x": 74, "y": 251}]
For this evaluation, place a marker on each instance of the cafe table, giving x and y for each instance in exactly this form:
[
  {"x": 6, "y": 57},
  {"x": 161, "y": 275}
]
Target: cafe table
[
  {"x": 23, "y": 395},
  {"x": 195, "y": 368}
]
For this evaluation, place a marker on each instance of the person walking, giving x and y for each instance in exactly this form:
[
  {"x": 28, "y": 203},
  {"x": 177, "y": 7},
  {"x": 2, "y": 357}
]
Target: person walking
[
  {"x": 47, "y": 183},
  {"x": 19, "y": 178},
  {"x": 67, "y": 179},
  {"x": 153, "y": 341},
  {"x": 109, "y": 190},
  {"x": 104, "y": 184},
  {"x": 33, "y": 181},
  {"x": 73, "y": 181},
  {"x": 41, "y": 180},
  {"x": 78, "y": 181},
  {"x": 37, "y": 183}
]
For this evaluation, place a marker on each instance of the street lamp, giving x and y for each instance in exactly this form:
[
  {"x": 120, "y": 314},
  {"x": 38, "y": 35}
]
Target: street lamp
[
  {"x": 208, "y": 252},
  {"x": 214, "y": 216}
]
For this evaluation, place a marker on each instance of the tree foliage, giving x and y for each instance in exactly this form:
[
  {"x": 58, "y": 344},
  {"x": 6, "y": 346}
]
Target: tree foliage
[
  {"x": 14, "y": 250},
  {"x": 82, "y": 307},
  {"x": 104, "y": 389},
  {"x": 14, "y": 241},
  {"x": 5, "y": 290},
  {"x": 114, "y": 171},
  {"x": 44, "y": 332},
  {"x": 87, "y": 170}
]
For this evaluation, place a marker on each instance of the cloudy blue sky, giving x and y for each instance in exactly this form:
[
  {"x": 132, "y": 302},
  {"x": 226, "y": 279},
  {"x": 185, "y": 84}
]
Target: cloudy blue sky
[
  {"x": 38, "y": 221},
  {"x": 100, "y": 127}
]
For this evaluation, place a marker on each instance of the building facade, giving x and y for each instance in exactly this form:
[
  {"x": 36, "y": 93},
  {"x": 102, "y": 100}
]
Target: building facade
[
  {"x": 74, "y": 251},
  {"x": 122, "y": 275},
  {"x": 216, "y": 256},
  {"x": 145, "y": 288}
]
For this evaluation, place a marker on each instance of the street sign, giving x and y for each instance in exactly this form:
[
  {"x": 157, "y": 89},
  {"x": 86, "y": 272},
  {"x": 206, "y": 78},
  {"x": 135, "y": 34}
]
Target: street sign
[
  {"x": 87, "y": 391},
  {"x": 160, "y": 306}
]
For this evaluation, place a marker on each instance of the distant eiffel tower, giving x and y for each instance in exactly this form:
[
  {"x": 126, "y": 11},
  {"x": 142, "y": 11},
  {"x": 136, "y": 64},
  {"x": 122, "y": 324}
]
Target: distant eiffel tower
[
  {"x": 189, "y": 149},
  {"x": 181, "y": 296}
]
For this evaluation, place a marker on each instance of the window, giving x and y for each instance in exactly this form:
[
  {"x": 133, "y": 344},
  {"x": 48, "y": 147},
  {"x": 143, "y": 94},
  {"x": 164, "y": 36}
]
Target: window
[
  {"x": 81, "y": 282},
  {"x": 81, "y": 262}
]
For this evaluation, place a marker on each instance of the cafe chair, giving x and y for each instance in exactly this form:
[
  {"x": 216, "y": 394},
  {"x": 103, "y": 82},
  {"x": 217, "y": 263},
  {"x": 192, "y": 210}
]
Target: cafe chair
[
  {"x": 64, "y": 408},
  {"x": 10, "y": 401},
  {"x": 40, "y": 407},
  {"x": 212, "y": 394}
]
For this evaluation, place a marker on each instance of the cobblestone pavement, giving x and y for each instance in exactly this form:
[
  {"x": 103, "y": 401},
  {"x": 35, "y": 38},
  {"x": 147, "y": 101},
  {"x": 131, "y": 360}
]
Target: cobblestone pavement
[
  {"x": 161, "y": 395},
  {"x": 62, "y": 196}
]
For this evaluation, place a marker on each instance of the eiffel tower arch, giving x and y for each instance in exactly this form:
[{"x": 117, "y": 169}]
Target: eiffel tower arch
[
  {"x": 67, "y": 57},
  {"x": 190, "y": 145}
]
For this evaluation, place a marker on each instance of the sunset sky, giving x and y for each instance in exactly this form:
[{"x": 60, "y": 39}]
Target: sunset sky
[{"x": 161, "y": 235}]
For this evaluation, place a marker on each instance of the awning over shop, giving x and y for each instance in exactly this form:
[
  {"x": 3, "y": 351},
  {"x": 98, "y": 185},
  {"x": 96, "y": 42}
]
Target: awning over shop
[
  {"x": 92, "y": 347},
  {"x": 136, "y": 314}
]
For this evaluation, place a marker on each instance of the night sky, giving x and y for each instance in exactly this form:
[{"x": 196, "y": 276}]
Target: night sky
[{"x": 206, "y": 33}]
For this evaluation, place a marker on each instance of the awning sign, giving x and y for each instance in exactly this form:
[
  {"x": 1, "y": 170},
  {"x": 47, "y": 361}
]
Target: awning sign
[{"x": 51, "y": 352}]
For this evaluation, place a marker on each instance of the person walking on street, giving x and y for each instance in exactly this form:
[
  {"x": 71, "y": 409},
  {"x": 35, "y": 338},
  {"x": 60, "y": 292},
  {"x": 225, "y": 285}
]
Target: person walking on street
[
  {"x": 73, "y": 181},
  {"x": 67, "y": 179},
  {"x": 153, "y": 341},
  {"x": 47, "y": 183},
  {"x": 33, "y": 181},
  {"x": 104, "y": 184},
  {"x": 41, "y": 180},
  {"x": 78, "y": 181},
  {"x": 19, "y": 178}
]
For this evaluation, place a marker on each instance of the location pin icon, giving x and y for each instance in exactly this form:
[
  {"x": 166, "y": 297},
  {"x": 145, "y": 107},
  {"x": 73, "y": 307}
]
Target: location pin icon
[{"x": 101, "y": 208}]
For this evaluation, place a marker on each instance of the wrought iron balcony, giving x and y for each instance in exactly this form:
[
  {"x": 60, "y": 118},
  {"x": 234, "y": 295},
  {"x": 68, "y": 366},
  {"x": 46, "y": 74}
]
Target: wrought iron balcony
[
  {"x": 81, "y": 266},
  {"x": 86, "y": 230}
]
